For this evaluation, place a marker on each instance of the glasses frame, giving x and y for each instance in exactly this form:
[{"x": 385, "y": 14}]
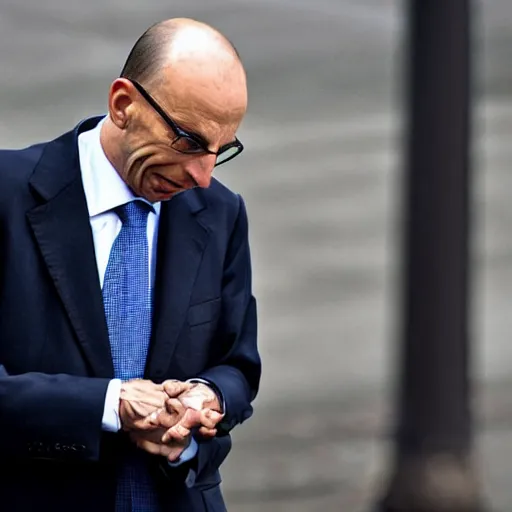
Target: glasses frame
[{"x": 181, "y": 133}]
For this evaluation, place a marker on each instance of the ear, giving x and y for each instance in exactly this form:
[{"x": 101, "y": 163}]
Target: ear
[{"x": 121, "y": 102}]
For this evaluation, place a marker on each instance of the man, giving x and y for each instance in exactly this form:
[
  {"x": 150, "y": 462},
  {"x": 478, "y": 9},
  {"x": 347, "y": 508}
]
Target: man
[{"x": 127, "y": 322}]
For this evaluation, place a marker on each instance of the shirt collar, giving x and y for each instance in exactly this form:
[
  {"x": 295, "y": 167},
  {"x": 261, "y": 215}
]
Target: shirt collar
[{"x": 104, "y": 188}]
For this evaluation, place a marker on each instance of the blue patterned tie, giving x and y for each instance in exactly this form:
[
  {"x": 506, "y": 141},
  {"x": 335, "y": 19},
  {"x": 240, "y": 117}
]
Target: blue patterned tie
[{"x": 127, "y": 301}]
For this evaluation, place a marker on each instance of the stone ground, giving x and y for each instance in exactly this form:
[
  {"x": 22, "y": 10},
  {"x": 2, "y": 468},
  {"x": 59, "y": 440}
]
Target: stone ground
[{"x": 322, "y": 179}]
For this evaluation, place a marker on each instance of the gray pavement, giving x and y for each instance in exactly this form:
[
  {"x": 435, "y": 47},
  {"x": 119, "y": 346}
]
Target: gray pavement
[{"x": 322, "y": 179}]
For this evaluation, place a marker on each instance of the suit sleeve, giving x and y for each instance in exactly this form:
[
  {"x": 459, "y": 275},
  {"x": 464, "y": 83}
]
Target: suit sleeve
[
  {"x": 236, "y": 375},
  {"x": 50, "y": 416}
]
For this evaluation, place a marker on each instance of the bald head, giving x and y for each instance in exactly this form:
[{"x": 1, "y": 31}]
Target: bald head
[
  {"x": 193, "y": 66},
  {"x": 175, "y": 109},
  {"x": 170, "y": 42}
]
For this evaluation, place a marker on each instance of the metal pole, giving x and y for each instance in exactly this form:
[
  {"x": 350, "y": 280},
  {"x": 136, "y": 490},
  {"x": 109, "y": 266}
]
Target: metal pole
[{"x": 433, "y": 470}]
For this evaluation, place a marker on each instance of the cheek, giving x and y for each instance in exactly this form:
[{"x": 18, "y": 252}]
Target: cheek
[
  {"x": 136, "y": 168},
  {"x": 147, "y": 184},
  {"x": 148, "y": 179},
  {"x": 144, "y": 163},
  {"x": 135, "y": 175},
  {"x": 144, "y": 186}
]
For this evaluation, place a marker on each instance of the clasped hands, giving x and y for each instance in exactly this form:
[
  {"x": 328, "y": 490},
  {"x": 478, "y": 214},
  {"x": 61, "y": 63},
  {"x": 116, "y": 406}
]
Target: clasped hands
[{"x": 160, "y": 418}]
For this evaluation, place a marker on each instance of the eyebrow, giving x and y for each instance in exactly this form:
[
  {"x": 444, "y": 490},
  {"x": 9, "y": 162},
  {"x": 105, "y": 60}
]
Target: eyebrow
[
  {"x": 195, "y": 135},
  {"x": 200, "y": 138}
]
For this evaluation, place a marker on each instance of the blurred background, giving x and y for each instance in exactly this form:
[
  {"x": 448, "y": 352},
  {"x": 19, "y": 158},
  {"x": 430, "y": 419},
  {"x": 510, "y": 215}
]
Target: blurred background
[{"x": 322, "y": 179}]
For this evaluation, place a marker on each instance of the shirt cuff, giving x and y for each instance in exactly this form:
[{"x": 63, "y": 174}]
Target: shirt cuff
[
  {"x": 111, "y": 421},
  {"x": 188, "y": 454}
]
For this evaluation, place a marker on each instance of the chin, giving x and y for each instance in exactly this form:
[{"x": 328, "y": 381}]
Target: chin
[{"x": 156, "y": 197}]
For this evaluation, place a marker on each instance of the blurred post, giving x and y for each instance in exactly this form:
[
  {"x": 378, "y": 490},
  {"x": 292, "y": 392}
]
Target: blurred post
[{"x": 433, "y": 470}]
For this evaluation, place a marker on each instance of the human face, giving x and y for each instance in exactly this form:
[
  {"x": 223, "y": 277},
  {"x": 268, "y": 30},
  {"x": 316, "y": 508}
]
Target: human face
[
  {"x": 164, "y": 156},
  {"x": 189, "y": 143}
]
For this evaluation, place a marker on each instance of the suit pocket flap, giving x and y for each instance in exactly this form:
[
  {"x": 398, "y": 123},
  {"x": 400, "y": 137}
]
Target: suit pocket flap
[{"x": 204, "y": 312}]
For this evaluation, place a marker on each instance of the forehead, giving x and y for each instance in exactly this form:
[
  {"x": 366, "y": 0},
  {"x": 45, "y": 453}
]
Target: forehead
[{"x": 205, "y": 97}]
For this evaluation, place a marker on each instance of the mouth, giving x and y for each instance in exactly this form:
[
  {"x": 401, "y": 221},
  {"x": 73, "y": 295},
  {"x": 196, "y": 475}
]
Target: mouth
[
  {"x": 168, "y": 183},
  {"x": 166, "y": 187}
]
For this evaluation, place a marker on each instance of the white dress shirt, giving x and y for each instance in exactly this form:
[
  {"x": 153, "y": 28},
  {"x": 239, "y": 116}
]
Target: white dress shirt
[{"x": 105, "y": 190}]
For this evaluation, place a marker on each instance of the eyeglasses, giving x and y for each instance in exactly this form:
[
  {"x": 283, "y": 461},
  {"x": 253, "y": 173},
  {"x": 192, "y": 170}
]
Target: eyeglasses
[{"x": 191, "y": 143}]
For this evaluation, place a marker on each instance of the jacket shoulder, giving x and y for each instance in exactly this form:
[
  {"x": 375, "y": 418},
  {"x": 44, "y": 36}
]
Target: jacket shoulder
[
  {"x": 223, "y": 204},
  {"x": 16, "y": 167},
  {"x": 219, "y": 196}
]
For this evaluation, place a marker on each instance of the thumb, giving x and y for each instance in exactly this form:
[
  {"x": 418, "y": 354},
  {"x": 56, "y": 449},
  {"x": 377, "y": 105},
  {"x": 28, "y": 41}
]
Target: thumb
[{"x": 174, "y": 388}]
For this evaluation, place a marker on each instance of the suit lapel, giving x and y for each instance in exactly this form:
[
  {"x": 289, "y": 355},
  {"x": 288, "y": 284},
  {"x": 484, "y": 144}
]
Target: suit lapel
[
  {"x": 62, "y": 231},
  {"x": 182, "y": 240}
]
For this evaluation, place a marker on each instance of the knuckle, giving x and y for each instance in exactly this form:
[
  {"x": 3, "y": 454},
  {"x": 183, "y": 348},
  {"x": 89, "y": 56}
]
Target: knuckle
[{"x": 182, "y": 430}]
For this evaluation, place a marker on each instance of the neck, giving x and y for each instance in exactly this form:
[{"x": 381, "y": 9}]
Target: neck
[{"x": 110, "y": 144}]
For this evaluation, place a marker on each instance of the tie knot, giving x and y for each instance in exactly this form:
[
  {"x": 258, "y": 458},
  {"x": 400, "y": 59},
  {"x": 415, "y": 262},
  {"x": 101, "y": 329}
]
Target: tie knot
[{"x": 134, "y": 214}]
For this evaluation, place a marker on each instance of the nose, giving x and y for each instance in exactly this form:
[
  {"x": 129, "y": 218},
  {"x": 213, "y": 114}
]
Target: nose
[{"x": 201, "y": 169}]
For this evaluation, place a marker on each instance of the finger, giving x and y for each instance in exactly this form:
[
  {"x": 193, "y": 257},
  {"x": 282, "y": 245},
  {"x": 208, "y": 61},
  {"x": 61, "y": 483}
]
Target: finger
[
  {"x": 207, "y": 432},
  {"x": 155, "y": 446},
  {"x": 174, "y": 406},
  {"x": 205, "y": 418},
  {"x": 163, "y": 419},
  {"x": 174, "y": 453},
  {"x": 167, "y": 417},
  {"x": 177, "y": 433},
  {"x": 209, "y": 418},
  {"x": 190, "y": 420},
  {"x": 148, "y": 423},
  {"x": 153, "y": 418},
  {"x": 173, "y": 413},
  {"x": 176, "y": 387}
]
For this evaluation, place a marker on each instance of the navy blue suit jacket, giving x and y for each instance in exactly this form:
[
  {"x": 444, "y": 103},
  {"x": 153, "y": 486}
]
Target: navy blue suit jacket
[{"x": 55, "y": 361}]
